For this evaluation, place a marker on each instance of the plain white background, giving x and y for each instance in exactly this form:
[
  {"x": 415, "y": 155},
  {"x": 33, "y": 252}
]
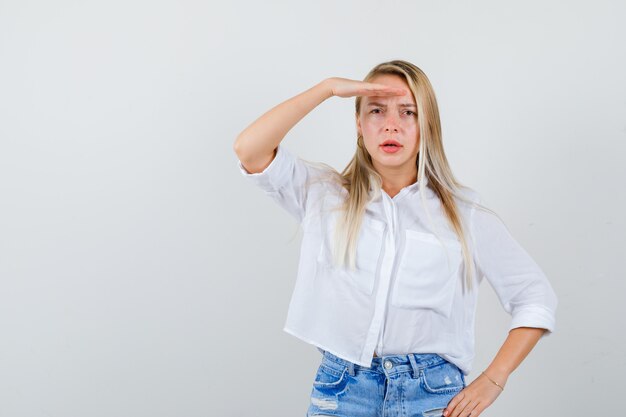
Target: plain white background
[{"x": 142, "y": 275}]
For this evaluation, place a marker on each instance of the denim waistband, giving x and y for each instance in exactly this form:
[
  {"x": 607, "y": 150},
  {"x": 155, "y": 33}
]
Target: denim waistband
[{"x": 386, "y": 364}]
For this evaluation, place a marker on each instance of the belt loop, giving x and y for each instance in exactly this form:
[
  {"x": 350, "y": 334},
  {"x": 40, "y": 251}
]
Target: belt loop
[
  {"x": 416, "y": 369},
  {"x": 351, "y": 368}
]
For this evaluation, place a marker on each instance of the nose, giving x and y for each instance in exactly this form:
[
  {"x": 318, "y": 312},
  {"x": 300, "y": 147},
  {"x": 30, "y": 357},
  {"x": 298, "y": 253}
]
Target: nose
[{"x": 391, "y": 122}]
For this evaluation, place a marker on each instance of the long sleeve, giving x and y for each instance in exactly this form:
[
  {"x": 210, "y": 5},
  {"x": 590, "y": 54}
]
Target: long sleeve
[
  {"x": 520, "y": 284},
  {"x": 286, "y": 180}
]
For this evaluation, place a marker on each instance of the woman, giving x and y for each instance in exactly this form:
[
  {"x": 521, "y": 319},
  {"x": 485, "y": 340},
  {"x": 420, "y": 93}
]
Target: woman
[{"x": 393, "y": 252}]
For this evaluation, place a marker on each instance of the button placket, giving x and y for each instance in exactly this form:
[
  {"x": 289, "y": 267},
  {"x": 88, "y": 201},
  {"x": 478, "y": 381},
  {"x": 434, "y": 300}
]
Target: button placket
[{"x": 376, "y": 330}]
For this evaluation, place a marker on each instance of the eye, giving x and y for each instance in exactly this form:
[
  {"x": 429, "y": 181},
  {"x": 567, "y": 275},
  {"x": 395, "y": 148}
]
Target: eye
[
  {"x": 374, "y": 110},
  {"x": 412, "y": 112}
]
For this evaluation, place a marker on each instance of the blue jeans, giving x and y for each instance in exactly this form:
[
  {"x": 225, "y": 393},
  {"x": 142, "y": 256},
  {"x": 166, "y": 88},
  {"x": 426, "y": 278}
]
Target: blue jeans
[{"x": 413, "y": 385}]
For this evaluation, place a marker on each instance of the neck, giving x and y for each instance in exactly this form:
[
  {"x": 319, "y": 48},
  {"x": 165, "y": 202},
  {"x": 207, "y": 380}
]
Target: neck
[{"x": 393, "y": 182}]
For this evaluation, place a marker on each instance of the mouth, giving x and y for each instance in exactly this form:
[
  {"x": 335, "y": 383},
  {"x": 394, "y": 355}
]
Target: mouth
[
  {"x": 391, "y": 143},
  {"x": 390, "y": 146}
]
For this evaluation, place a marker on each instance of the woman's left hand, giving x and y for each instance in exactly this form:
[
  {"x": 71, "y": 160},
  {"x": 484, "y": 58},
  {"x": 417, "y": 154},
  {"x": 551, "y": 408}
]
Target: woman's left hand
[{"x": 474, "y": 398}]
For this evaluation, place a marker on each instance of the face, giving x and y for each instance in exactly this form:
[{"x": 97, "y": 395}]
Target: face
[{"x": 391, "y": 117}]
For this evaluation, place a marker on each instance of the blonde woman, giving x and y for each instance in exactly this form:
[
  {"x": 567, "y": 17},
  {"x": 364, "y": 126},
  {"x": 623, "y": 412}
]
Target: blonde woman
[{"x": 393, "y": 251}]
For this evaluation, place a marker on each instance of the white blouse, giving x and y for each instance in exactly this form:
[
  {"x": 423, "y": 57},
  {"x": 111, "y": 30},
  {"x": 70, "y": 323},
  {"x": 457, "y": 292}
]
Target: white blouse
[{"x": 407, "y": 294}]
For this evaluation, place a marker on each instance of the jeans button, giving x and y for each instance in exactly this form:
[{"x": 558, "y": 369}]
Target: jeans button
[{"x": 388, "y": 365}]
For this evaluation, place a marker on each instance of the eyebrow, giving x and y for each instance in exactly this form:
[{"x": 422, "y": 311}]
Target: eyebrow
[{"x": 384, "y": 105}]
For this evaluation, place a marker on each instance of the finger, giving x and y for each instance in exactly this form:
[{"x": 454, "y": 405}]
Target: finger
[
  {"x": 470, "y": 411},
  {"x": 460, "y": 408},
  {"x": 385, "y": 90},
  {"x": 393, "y": 93},
  {"x": 390, "y": 91},
  {"x": 375, "y": 92},
  {"x": 477, "y": 410},
  {"x": 453, "y": 402}
]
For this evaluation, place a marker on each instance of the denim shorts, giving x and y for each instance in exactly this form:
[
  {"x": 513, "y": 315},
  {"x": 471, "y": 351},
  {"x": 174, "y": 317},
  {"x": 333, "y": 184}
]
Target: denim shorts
[{"x": 412, "y": 385}]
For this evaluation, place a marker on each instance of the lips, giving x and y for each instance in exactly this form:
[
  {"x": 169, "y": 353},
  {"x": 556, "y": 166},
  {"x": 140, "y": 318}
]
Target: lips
[
  {"x": 390, "y": 146},
  {"x": 391, "y": 142}
]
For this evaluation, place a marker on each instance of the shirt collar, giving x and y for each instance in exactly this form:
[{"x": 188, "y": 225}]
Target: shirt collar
[{"x": 409, "y": 189}]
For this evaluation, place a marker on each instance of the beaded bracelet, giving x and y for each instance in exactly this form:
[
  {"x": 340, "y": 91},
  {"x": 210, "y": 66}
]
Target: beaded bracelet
[{"x": 493, "y": 381}]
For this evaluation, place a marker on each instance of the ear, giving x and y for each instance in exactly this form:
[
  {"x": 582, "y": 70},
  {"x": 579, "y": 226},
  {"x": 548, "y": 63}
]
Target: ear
[{"x": 358, "y": 124}]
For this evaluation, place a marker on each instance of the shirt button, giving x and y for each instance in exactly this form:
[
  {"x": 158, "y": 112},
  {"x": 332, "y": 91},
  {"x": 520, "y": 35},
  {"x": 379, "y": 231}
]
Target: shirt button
[{"x": 388, "y": 364}]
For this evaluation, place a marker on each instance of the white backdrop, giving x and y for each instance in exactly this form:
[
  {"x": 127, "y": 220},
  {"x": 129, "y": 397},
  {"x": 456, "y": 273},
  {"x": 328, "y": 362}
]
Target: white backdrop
[{"x": 142, "y": 275}]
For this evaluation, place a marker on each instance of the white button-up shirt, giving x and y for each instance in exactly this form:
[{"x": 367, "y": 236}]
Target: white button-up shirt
[{"x": 407, "y": 294}]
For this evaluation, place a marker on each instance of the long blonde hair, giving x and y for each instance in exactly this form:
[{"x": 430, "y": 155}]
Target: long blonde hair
[{"x": 360, "y": 175}]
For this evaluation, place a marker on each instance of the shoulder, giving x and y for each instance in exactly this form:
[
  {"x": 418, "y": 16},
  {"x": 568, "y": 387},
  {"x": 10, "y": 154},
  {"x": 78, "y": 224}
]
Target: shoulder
[
  {"x": 467, "y": 197},
  {"x": 323, "y": 175}
]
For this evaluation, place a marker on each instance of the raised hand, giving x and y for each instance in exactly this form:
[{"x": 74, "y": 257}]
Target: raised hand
[{"x": 343, "y": 87}]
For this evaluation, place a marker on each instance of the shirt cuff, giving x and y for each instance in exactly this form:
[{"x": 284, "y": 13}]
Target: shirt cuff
[
  {"x": 534, "y": 316},
  {"x": 275, "y": 174}
]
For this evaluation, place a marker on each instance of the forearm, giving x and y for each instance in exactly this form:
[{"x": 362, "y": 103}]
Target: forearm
[
  {"x": 518, "y": 344},
  {"x": 266, "y": 133}
]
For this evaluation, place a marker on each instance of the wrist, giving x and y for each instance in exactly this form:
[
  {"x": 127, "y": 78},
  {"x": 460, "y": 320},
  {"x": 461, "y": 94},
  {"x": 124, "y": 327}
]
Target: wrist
[
  {"x": 496, "y": 377},
  {"x": 327, "y": 86}
]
